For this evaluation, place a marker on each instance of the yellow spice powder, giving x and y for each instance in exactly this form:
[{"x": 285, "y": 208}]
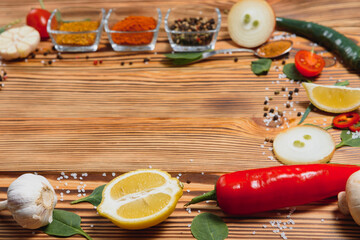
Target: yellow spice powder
[{"x": 83, "y": 39}]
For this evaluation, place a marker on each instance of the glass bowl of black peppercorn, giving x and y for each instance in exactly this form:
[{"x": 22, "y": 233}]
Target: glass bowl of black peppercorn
[{"x": 192, "y": 28}]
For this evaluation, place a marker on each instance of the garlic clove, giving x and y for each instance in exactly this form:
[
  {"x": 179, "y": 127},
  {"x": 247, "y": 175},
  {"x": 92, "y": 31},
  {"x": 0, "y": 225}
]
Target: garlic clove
[{"x": 31, "y": 200}]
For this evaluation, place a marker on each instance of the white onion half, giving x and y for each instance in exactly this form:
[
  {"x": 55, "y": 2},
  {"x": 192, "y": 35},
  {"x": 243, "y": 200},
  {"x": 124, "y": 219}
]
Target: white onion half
[{"x": 251, "y": 22}]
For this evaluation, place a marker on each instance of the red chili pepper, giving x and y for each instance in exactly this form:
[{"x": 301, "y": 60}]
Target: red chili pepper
[
  {"x": 355, "y": 128},
  {"x": 346, "y": 120},
  {"x": 264, "y": 189}
]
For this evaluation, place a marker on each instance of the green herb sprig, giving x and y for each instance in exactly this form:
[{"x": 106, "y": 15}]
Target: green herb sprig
[
  {"x": 94, "y": 198},
  {"x": 292, "y": 73},
  {"x": 65, "y": 224},
  {"x": 347, "y": 140},
  {"x": 184, "y": 58},
  {"x": 206, "y": 226},
  {"x": 261, "y": 66}
]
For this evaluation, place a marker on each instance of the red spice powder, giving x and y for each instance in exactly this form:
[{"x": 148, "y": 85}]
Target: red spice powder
[{"x": 133, "y": 24}]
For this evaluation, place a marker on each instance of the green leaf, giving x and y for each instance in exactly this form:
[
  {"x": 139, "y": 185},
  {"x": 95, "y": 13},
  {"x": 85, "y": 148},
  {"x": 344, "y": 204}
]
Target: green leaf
[
  {"x": 292, "y": 73},
  {"x": 187, "y": 55},
  {"x": 207, "y": 226},
  {"x": 347, "y": 140},
  {"x": 64, "y": 224},
  {"x": 306, "y": 113},
  {"x": 344, "y": 83},
  {"x": 261, "y": 66},
  {"x": 94, "y": 198}
]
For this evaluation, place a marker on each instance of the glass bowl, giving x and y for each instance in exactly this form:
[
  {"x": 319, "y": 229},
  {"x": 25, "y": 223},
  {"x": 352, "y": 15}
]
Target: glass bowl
[
  {"x": 76, "y": 29},
  {"x": 192, "y": 28},
  {"x": 128, "y": 37}
]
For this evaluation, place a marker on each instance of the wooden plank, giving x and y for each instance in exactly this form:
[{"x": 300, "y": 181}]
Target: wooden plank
[{"x": 201, "y": 120}]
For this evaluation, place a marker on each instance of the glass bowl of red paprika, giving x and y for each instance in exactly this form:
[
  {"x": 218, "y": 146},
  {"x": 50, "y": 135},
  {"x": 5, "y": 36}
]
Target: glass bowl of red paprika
[
  {"x": 76, "y": 29},
  {"x": 133, "y": 28},
  {"x": 192, "y": 28}
]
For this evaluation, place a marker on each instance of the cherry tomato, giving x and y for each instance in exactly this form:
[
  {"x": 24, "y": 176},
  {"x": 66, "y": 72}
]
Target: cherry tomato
[
  {"x": 308, "y": 63},
  {"x": 38, "y": 18},
  {"x": 346, "y": 120}
]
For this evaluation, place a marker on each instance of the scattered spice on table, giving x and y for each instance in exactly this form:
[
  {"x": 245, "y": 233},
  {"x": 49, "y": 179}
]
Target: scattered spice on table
[
  {"x": 132, "y": 25},
  {"x": 189, "y": 28},
  {"x": 81, "y": 39}
]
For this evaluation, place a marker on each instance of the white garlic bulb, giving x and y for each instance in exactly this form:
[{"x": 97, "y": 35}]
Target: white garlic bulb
[{"x": 31, "y": 200}]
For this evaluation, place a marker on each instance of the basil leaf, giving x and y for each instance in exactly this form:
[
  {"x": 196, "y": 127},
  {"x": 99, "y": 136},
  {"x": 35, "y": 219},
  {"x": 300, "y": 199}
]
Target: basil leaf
[
  {"x": 64, "y": 224},
  {"x": 94, "y": 198},
  {"x": 261, "y": 66},
  {"x": 292, "y": 73},
  {"x": 188, "y": 55},
  {"x": 306, "y": 113},
  {"x": 206, "y": 226},
  {"x": 344, "y": 83},
  {"x": 347, "y": 140}
]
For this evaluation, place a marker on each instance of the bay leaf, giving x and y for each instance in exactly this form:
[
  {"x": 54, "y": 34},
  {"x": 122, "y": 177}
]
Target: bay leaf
[
  {"x": 94, "y": 198},
  {"x": 207, "y": 226}
]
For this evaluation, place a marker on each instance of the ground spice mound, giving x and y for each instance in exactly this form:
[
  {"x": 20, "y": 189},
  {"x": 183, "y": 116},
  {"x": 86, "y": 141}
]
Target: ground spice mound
[
  {"x": 133, "y": 24},
  {"x": 82, "y": 39}
]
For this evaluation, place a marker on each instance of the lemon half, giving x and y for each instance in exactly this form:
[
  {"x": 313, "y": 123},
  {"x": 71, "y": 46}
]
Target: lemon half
[
  {"x": 140, "y": 199},
  {"x": 334, "y": 99}
]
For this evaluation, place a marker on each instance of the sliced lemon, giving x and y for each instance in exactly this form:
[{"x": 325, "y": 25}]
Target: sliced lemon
[
  {"x": 334, "y": 99},
  {"x": 140, "y": 199}
]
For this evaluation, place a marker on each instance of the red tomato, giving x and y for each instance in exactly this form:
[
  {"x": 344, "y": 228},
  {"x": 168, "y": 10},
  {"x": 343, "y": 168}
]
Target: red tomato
[
  {"x": 38, "y": 18},
  {"x": 308, "y": 63}
]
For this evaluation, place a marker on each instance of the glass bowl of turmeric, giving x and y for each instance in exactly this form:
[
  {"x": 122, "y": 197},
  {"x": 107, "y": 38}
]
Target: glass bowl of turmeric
[
  {"x": 76, "y": 29},
  {"x": 192, "y": 28},
  {"x": 133, "y": 28}
]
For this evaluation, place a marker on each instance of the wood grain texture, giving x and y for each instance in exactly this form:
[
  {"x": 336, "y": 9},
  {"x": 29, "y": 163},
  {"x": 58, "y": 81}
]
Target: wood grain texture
[{"x": 73, "y": 116}]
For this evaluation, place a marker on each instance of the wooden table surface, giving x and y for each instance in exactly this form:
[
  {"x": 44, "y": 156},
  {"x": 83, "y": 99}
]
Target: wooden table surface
[{"x": 196, "y": 122}]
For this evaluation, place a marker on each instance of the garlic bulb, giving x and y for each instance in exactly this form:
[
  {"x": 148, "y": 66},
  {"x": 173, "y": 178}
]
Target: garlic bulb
[{"x": 31, "y": 201}]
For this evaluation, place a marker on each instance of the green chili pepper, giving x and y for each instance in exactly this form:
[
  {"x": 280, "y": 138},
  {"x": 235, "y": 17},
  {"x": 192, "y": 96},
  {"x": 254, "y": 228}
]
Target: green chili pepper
[{"x": 327, "y": 37}]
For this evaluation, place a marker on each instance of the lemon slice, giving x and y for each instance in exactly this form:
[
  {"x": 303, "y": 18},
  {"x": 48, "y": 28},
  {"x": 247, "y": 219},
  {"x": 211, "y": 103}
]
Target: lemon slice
[
  {"x": 304, "y": 145},
  {"x": 140, "y": 199},
  {"x": 334, "y": 99}
]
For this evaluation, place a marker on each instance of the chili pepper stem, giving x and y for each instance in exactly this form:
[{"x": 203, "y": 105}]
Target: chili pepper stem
[{"x": 207, "y": 196}]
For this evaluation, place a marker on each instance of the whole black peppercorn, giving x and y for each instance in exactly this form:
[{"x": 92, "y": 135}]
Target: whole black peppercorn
[
  {"x": 291, "y": 92},
  {"x": 271, "y": 110},
  {"x": 283, "y": 62},
  {"x": 49, "y": 62},
  {"x": 236, "y": 59},
  {"x": 266, "y": 102},
  {"x": 276, "y": 117},
  {"x": 122, "y": 63},
  {"x": 296, "y": 90},
  {"x": 299, "y": 114},
  {"x": 290, "y": 97},
  {"x": 265, "y": 114},
  {"x": 130, "y": 63}
]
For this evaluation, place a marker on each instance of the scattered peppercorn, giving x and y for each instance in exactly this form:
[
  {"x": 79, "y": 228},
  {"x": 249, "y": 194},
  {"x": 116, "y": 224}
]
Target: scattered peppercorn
[
  {"x": 49, "y": 62},
  {"x": 283, "y": 62},
  {"x": 36, "y": 50},
  {"x": 146, "y": 60},
  {"x": 290, "y": 97},
  {"x": 130, "y": 63},
  {"x": 87, "y": 57},
  {"x": 236, "y": 59},
  {"x": 276, "y": 117},
  {"x": 32, "y": 55},
  {"x": 45, "y": 53},
  {"x": 53, "y": 48},
  {"x": 266, "y": 102},
  {"x": 270, "y": 98},
  {"x": 271, "y": 110},
  {"x": 299, "y": 114},
  {"x": 291, "y": 92},
  {"x": 122, "y": 63},
  {"x": 288, "y": 105},
  {"x": 296, "y": 90},
  {"x": 266, "y": 108},
  {"x": 276, "y": 92},
  {"x": 271, "y": 140},
  {"x": 283, "y": 89},
  {"x": 188, "y": 181},
  {"x": 58, "y": 56},
  {"x": 280, "y": 113},
  {"x": 265, "y": 114}
]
